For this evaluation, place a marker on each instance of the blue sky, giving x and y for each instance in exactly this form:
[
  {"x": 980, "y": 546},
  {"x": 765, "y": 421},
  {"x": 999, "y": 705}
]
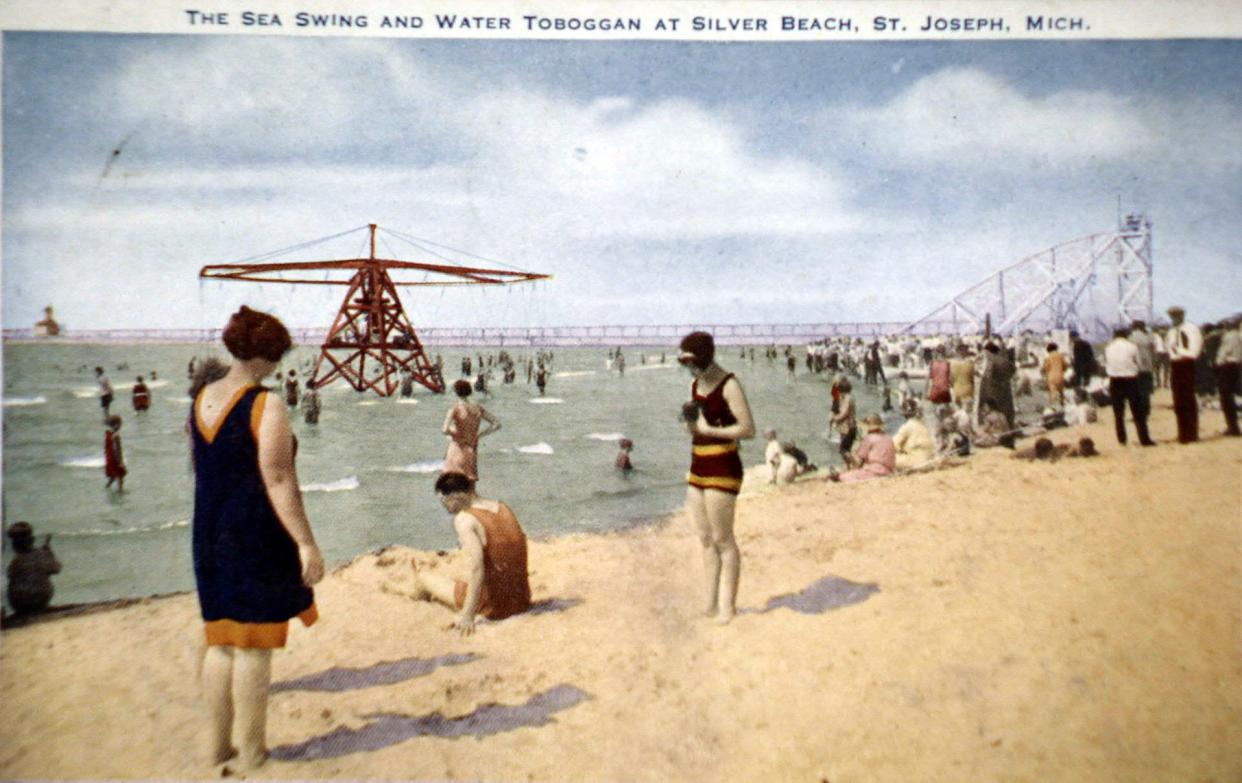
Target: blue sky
[{"x": 659, "y": 182}]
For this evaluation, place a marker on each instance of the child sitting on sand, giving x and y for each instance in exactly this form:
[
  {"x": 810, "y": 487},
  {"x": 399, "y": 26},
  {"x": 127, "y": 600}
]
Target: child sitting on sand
[{"x": 30, "y": 585}]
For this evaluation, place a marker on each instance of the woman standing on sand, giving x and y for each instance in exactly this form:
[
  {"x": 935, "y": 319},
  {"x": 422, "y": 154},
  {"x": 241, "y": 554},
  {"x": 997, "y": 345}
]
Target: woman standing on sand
[
  {"x": 461, "y": 425},
  {"x": 255, "y": 557},
  {"x": 717, "y": 419}
]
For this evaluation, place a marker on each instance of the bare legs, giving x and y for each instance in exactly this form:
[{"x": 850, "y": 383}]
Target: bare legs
[
  {"x": 235, "y": 684},
  {"x": 712, "y": 513},
  {"x": 434, "y": 587}
]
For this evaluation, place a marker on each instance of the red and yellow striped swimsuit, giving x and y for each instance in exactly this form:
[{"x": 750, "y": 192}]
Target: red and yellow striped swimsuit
[{"x": 715, "y": 462}]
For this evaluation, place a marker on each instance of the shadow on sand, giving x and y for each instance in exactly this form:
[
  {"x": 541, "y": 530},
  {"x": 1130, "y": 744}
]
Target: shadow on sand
[
  {"x": 831, "y": 592},
  {"x": 386, "y": 729},
  {"x": 339, "y": 679}
]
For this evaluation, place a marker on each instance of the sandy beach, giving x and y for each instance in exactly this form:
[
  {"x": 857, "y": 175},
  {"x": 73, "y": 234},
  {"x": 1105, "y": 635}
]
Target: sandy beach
[{"x": 996, "y": 620}]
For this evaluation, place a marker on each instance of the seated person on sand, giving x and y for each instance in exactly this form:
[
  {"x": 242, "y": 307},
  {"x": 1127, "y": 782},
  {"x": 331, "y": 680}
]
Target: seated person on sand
[
  {"x": 913, "y": 441},
  {"x": 993, "y": 429},
  {"x": 495, "y": 547},
  {"x": 1045, "y": 449},
  {"x": 785, "y": 460},
  {"x": 952, "y": 442},
  {"x": 877, "y": 456},
  {"x": 1082, "y": 412},
  {"x": 30, "y": 584}
]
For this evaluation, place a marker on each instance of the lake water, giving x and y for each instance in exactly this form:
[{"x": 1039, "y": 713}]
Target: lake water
[{"x": 368, "y": 467}]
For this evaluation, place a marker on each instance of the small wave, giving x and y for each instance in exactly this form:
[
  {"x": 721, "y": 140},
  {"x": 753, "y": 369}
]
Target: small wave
[
  {"x": 546, "y": 401},
  {"x": 537, "y": 448},
  {"x": 368, "y": 402},
  {"x": 120, "y": 531},
  {"x": 573, "y": 373},
  {"x": 161, "y": 383},
  {"x": 184, "y": 399},
  {"x": 23, "y": 401},
  {"x": 85, "y": 394},
  {"x": 605, "y": 436},
  {"x": 650, "y": 367},
  {"x": 82, "y": 462},
  {"x": 343, "y": 485},
  {"x": 407, "y": 401},
  {"x": 422, "y": 466}
]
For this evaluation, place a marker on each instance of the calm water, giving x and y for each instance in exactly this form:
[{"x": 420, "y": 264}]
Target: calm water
[{"x": 367, "y": 469}]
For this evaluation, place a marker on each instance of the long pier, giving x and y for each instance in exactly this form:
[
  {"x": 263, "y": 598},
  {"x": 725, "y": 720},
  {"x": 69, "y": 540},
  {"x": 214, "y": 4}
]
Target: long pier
[{"x": 523, "y": 336}]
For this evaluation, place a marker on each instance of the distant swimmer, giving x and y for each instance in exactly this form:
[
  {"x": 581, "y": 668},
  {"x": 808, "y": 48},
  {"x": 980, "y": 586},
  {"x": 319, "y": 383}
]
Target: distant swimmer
[
  {"x": 310, "y": 405},
  {"x": 142, "y": 395},
  {"x": 114, "y": 455},
  {"x": 717, "y": 417},
  {"x": 461, "y": 425},
  {"x": 623, "y": 462},
  {"x": 541, "y": 379},
  {"x": 154, "y": 377},
  {"x": 105, "y": 392},
  {"x": 407, "y": 382},
  {"x": 30, "y": 572},
  {"x": 489, "y": 534},
  {"x": 291, "y": 389}
]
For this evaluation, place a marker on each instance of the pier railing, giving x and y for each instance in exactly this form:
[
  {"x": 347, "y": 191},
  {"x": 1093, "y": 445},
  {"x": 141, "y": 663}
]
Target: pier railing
[{"x": 518, "y": 336}]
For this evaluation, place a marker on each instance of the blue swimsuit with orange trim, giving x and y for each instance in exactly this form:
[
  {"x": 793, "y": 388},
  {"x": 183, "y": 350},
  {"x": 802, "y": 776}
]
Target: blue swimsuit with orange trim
[
  {"x": 246, "y": 565},
  {"x": 715, "y": 462}
]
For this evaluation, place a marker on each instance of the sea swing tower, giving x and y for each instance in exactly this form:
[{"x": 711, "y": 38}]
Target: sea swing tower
[{"x": 371, "y": 341}]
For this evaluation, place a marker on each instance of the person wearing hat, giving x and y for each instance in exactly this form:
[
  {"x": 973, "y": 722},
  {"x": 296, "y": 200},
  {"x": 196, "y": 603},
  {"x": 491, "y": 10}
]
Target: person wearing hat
[
  {"x": 30, "y": 583},
  {"x": 1185, "y": 342},
  {"x": 877, "y": 456},
  {"x": 913, "y": 440},
  {"x": 717, "y": 417}
]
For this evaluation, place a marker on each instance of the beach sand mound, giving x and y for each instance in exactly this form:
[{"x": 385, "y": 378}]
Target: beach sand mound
[{"x": 1067, "y": 621}]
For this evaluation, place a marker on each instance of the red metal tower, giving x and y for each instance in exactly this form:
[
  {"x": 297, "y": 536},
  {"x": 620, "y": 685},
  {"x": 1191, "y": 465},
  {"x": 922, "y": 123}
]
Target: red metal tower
[{"x": 371, "y": 340}]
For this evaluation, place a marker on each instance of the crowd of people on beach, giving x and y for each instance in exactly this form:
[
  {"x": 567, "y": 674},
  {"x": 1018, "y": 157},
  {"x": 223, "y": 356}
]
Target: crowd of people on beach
[{"x": 256, "y": 559}]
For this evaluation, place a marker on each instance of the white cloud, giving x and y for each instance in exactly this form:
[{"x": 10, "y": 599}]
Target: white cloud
[
  {"x": 520, "y": 155},
  {"x": 967, "y": 117}
]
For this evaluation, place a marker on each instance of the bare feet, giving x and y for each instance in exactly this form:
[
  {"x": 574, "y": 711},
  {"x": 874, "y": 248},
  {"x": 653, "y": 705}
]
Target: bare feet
[
  {"x": 421, "y": 593},
  {"x": 253, "y": 761},
  {"x": 723, "y": 618},
  {"x": 221, "y": 756}
]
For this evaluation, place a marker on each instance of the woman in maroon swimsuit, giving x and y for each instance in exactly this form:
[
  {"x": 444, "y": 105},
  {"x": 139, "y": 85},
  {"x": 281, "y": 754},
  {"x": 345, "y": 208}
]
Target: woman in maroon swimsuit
[{"x": 722, "y": 419}]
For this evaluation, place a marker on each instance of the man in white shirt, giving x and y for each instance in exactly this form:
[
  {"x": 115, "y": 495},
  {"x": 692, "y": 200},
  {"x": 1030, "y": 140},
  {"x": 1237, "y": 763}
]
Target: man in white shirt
[
  {"x": 1184, "y": 342},
  {"x": 1121, "y": 362},
  {"x": 1229, "y": 374}
]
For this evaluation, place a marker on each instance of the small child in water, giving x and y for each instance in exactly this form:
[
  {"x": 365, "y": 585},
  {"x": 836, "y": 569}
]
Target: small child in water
[
  {"x": 114, "y": 456},
  {"x": 623, "y": 457}
]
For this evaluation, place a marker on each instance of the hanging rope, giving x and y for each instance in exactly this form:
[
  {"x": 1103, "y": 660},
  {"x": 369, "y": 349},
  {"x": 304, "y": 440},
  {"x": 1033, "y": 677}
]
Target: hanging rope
[
  {"x": 420, "y": 243},
  {"x": 299, "y": 246}
]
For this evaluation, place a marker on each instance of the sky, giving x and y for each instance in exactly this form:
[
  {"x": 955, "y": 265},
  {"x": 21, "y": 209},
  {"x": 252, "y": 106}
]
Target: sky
[{"x": 658, "y": 182}]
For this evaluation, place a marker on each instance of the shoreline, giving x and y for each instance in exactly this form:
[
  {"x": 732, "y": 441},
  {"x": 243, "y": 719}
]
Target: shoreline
[{"x": 999, "y": 619}]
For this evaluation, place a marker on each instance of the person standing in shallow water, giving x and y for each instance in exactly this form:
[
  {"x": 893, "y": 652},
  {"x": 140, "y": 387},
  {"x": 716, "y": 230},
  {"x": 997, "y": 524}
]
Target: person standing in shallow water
[
  {"x": 461, "y": 425},
  {"x": 718, "y": 418},
  {"x": 255, "y": 557}
]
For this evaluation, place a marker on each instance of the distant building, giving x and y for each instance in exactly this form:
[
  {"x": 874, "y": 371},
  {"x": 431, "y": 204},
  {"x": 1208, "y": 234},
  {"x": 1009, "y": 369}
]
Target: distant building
[{"x": 48, "y": 326}]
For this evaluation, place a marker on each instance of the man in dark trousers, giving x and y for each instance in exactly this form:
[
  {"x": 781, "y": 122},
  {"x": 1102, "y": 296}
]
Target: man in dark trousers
[{"x": 1084, "y": 361}]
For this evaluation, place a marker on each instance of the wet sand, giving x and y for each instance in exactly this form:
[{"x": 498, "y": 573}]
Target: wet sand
[{"x": 997, "y": 620}]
